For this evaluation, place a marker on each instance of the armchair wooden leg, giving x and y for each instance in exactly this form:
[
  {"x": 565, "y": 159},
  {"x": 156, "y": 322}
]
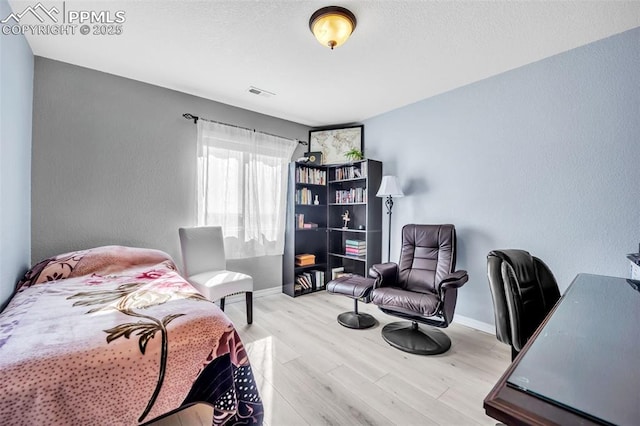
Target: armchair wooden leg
[
  {"x": 249, "y": 300},
  {"x": 222, "y": 303}
]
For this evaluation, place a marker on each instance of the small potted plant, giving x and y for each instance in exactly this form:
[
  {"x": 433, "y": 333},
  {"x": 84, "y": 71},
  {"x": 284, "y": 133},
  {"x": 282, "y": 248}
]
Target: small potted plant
[{"x": 354, "y": 155}]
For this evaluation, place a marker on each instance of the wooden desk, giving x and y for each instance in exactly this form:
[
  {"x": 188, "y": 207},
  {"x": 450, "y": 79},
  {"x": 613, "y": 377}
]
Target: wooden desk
[{"x": 582, "y": 365}]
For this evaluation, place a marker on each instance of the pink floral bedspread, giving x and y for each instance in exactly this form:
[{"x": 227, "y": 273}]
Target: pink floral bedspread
[{"x": 115, "y": 336}]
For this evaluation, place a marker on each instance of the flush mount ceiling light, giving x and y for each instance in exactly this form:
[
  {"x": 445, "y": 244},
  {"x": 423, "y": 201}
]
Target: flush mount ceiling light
[{"x": 332, "y": 25}]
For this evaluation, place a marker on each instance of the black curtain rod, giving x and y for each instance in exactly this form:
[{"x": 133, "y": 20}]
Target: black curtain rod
[{"x": 195, "y": 119}]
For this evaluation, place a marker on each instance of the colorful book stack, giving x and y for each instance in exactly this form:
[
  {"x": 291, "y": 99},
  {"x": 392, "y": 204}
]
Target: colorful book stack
[{"x": 355, "y": 248}]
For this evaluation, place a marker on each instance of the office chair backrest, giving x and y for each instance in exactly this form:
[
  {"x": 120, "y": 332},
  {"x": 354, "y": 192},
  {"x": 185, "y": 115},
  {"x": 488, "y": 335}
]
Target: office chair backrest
[
  {"x": 202, "y": 249},
  {"x": 524, "y": 290},
  {"x": 428, "y": 254}
]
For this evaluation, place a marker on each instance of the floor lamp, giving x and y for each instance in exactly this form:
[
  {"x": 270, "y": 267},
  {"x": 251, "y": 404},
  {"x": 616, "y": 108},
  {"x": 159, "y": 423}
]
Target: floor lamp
[{"x": 389, "y": 188}]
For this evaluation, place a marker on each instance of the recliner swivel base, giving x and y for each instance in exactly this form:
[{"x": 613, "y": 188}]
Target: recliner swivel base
[
  {"x": 356, "y": 320},
  {"x": 410, "y": 338}
]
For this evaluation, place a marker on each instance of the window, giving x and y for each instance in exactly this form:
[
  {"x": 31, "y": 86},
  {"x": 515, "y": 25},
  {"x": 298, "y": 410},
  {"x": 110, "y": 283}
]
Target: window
[{"x": 242, "y": 186}]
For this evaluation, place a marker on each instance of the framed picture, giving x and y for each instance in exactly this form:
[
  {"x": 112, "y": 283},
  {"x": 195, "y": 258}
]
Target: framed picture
[{"x": 335, "y": 143}]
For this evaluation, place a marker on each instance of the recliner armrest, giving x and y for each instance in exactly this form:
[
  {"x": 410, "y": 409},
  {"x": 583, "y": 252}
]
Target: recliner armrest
[
  {"x": 384, "y": 273},
  {"x": 454, "y": 280}
]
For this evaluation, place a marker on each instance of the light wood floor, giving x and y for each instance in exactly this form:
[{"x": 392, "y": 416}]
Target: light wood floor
[{"x": 313, "y": 371}]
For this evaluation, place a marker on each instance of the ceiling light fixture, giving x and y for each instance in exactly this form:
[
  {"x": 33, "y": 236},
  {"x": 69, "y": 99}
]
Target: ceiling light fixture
[{"x": 332, "y": 25}]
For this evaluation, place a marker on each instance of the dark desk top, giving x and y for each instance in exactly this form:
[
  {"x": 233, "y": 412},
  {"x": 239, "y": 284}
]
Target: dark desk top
[{"x": 586, "y": 357}]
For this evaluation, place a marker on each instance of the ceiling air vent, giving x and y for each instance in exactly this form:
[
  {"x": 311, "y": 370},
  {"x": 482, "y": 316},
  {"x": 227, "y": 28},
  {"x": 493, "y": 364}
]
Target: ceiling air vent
[{"x": 261, "y": 92}]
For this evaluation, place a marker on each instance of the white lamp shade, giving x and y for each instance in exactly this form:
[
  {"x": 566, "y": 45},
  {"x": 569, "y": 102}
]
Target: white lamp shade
[{"x": 390, "y": 186}]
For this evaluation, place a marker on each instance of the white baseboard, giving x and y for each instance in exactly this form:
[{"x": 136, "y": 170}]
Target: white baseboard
[
  {"x": 478, "y": 325},
  {"x": 256, "y": 294},
  {"x": 459, "y": 319}
]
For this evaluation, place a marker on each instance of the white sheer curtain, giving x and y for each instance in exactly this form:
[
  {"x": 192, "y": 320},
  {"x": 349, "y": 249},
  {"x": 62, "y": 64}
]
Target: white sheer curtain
[{"x": 242, "y": 186}]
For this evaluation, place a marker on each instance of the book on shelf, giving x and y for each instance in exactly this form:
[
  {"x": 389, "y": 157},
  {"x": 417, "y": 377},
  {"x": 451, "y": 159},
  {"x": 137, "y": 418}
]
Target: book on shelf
[
  {"x": 305, "y": 259},
  {"x": 299, "y": 220},
  {"x": 355, "y": 252},
  {"x": 304, "y": 282},
  {"x": 319, "y": 278},
  {"x": 311, "y": 176},
  {"x": 355, "y": 247},
  {"x": 351, "y": 172},
  {"x": 304, "y": 196},
  {"x": 309, "y": 225},
  {"x": 311, "y": 280},
  {"x": 355, "y": 243},
  {"x": 337, "y": 272},
  {"x": 353, "y": 195}
]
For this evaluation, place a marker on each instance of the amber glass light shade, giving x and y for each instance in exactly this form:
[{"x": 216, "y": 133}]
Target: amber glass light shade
[{"x": 332, "y": 25}]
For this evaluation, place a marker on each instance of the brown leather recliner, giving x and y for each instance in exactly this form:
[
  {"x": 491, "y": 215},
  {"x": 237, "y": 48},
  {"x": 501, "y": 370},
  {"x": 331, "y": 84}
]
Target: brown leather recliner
[
  {"x": 523, "y": 290},
  {"x": 422, "y": 288}
]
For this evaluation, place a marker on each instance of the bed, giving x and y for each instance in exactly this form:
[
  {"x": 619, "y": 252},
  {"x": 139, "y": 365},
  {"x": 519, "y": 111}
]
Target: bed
[{"x": 114, "y": 335}]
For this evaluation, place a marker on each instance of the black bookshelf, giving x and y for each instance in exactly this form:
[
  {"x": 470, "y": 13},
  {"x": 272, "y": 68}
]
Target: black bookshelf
[
  {"x": 353, "y": 187},
  {"x": 314, "y": 222},
  {"x": 306, "y": 206}
]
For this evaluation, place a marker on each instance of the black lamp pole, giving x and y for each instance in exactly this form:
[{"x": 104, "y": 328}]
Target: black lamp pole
[{"x": 389, "y": 204}]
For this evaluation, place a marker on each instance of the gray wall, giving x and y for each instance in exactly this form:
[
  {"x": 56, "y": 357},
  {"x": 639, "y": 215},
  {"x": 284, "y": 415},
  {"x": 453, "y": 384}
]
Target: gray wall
[
  {"x": 16, "y": 93},
  {"x": 544, "y": 158},
  {"x": 114, "y": 163}
]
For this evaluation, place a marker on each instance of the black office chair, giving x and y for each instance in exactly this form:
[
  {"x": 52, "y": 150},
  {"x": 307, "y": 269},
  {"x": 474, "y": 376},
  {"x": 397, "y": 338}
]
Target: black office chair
[
  {"x": 523, "y": 291},
  {"x": 422, "y": 288}
]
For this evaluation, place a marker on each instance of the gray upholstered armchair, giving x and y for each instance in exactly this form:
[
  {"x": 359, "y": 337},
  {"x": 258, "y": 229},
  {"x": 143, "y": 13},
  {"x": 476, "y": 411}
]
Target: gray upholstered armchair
[{"x": 422, "y": 288}]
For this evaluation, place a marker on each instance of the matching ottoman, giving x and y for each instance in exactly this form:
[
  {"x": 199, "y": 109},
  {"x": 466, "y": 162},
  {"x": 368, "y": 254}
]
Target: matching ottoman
[{"x": 357, "y": 288}]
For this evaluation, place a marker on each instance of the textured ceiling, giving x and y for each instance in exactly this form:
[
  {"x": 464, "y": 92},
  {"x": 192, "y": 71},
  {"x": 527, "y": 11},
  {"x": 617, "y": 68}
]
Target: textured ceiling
[{"x": 401, "y": 51}]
